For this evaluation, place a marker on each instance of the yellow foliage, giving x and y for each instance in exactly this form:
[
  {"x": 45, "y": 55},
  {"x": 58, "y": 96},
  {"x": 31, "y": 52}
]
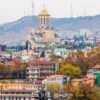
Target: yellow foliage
[
  {"x": 54, "y": 88},
  {"x": 69, "y": 70}
]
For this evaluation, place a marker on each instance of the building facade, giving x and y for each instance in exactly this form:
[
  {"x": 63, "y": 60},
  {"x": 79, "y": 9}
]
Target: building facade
[
  {"x": 61, "y": 52},
  {"x": 91, "y": 73},
  {"x": 18, "y": 91},
  {"x": 56, "y": 79},
  {"x": 16, "y": 97},
  {"x": 40, "y": 69}
]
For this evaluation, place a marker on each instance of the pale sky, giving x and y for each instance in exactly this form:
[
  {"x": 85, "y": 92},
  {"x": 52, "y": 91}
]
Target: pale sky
[{"x": 11, "y": 10}]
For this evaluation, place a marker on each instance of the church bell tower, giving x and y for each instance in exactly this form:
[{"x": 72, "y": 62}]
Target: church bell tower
[{"x": 44, "y": 17}]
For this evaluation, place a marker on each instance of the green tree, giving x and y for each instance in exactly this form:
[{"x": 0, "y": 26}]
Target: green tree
[
  {"x": 69, "y": 70},
  {"x": 55, "y": 57}
]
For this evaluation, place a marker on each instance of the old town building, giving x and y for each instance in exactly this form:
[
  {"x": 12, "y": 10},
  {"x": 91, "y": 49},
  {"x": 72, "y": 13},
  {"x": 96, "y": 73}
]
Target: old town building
[
  {"x": 18, "y": 91},
  {"x": 59, "y": 80},
  {"x": 40, "y": 69}
]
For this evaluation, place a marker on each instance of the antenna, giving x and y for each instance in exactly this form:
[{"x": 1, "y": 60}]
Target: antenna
[
  {"x": 28, "y": 12},
  {"x": 44, "y": 6},
  {"x": 33, "y": 8},
  {"x": 84, "y": 12},
  {"x": 71, "y": 11},
  {"x": 24, "y": 12}
]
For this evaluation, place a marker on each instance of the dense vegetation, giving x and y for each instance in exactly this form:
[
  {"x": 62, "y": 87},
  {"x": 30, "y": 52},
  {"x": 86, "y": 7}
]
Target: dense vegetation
[
  {"x": 82, "y": 92},
  {"x": 15, "y": 70},
  {"x": 85, "y": 60}
]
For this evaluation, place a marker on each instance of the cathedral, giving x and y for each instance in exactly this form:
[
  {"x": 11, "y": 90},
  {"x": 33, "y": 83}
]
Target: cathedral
[{"x": 45, "y": 34}]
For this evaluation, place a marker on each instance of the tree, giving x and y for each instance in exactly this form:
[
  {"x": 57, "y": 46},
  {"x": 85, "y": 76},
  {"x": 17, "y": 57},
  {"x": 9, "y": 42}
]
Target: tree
[
  {"x": 55, "y": 57},
  {"x": 83, "y": 92},
  {"x": 3, "y": 70},
  {"x": 54, "y": 88},
  {"x": 69, "y": 70},
  {"x": 85, "y": 60}
]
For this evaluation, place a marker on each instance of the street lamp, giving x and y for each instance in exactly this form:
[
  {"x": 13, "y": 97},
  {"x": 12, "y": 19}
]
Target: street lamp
[{"x": 42, "y": 94}]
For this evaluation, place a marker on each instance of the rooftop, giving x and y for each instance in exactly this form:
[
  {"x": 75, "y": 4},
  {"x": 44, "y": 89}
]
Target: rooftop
[
  {"x": 97, "y": 66},
  {"x": 56, "y": 76},
  {"x": 44, "y": 12},
  {"x": 90, "y": 71},
  {"x": 76, "y": 80},
  {"x": 42, "y": 61}
]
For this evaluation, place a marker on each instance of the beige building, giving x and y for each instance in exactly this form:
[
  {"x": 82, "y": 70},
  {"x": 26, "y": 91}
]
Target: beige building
[
  {"x": 57, "y": 80},
  {"x": 44, "y": 35},
  {"x": 19, "y": 91},
  {"x": 16, "y": 97}
]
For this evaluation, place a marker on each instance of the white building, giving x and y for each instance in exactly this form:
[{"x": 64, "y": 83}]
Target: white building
[
  {"x": 56, "y": 79},
  {"x": 61, "y": 52}
]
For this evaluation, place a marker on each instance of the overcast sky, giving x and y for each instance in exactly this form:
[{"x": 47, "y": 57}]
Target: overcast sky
[{"x": 11, "y": 10}]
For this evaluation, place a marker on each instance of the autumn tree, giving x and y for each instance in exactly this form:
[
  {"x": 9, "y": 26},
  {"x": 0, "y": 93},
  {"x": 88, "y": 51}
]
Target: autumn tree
[
  {"x": 54, "y": 88},
  {"x": 83, "y": 92},
  {"x": 69, "y": 70},
  {"x": 3, "y": 70},
  {"x": 85, "y": 60}
]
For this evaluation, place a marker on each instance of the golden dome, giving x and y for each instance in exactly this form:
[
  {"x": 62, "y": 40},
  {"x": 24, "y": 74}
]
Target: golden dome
[{"x": 44, "y": 12}]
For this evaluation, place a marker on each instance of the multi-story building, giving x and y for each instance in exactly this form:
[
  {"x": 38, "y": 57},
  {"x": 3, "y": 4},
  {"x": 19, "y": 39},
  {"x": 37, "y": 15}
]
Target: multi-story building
[
  {"x": 56, "y": 79},
  {"x": 12, "y": 96},
  {"x": 18, "y": 91},
  {"x": 40, "y": 69},
  {"x": 44, "y": 35}
]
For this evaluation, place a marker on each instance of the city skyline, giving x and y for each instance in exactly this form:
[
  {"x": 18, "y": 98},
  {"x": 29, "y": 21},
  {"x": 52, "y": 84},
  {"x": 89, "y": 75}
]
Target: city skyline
[{"x": 14, "y": 9}]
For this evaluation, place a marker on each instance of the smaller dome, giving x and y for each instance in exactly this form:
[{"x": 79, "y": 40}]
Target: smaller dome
[{"x": 44, "y": 12}]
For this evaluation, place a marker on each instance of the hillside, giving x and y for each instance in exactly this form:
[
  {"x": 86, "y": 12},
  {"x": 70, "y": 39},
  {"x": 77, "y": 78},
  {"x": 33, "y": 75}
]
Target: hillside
[{"x": 18, "y": 29}]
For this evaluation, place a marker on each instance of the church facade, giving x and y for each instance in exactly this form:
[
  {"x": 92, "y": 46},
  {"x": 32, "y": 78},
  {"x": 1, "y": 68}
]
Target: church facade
[{"x": 44, "y": 35}]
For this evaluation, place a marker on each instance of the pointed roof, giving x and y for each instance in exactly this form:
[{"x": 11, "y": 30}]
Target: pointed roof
[{"x": 44, "y": 12}]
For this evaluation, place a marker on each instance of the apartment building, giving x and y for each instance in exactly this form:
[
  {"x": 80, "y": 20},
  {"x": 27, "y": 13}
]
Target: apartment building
[{"x": 40, "y": 69}]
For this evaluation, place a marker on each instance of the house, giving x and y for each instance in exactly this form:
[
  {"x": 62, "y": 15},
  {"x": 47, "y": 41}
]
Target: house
[
  {"x": 96, "y": 68},
  {"x": 56, "y": 79},
  {"x": 61, "y": 52},
  {"x": 87, "y": 81},
  {"x": 91, "y": 72}
]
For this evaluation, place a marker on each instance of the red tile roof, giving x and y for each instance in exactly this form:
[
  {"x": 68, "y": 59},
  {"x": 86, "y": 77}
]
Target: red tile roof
[
  {"x": 90, "y": 71},
  {"x": 97, "y": 66},
  {"x": 37, "y": 82},
  {"x": 42, "y": 61},
  {"x": 56, "y": 76}
]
